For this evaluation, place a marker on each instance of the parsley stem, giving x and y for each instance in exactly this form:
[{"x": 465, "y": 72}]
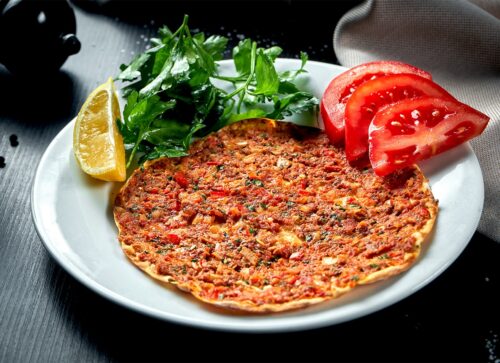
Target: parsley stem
[
  {"x": 134, "y": 150},
  {"x": 250, "y": 76},
  {"x": 240, "y": 101},
  {"x": 183, "y": 26},
  {"x": 230, "y": 79}
]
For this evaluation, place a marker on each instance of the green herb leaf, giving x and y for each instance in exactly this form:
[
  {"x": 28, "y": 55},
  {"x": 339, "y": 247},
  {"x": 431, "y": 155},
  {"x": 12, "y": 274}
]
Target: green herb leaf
[
  {"x": 167, "y": 134},
  {"x": 292, "y": 103},
  {"x": 253, "y": 113},
  {"x": 291, "y": 75},
  {"x": 131, "y": 72},
  {"x": 287, "y": 87},
  {"x": 215, "y": 45},
  {"x": 273, "y": 52},
  {"x": 175, "y": 69},
  {"x": 161, "y": 57},
  {"x": 241, "y": 56},
  {"x": 165, "y": 33},
  {"x": 146, "y": 110},
  {"x": 165, "y": 151},
  {"x": 266, "y": 77}
]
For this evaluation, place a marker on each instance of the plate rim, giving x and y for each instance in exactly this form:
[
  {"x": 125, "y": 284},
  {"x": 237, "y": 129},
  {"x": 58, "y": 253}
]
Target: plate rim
[{"x": 277, "y": 326}]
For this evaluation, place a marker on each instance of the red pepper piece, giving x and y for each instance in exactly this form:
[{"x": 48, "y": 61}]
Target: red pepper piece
[
  {"x": 218, "y": 193},
  {"x": 180, "y": 178},
  {"x": 173, "y": 238}
]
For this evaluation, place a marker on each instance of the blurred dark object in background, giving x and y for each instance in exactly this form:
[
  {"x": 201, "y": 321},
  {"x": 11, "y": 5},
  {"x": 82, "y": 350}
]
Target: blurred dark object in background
[{"x": 36, "y": 36}]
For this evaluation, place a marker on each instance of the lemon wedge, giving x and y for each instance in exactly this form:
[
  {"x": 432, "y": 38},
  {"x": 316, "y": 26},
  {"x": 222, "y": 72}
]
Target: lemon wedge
[{"x": 97, "y": 143}]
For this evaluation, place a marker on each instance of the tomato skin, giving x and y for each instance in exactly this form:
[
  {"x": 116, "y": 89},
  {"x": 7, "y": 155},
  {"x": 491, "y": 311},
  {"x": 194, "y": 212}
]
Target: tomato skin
[
  {"x": 411, "y": 130},
  {"x": 340, "y": 89},
  {"x": 371, "y": 96}
]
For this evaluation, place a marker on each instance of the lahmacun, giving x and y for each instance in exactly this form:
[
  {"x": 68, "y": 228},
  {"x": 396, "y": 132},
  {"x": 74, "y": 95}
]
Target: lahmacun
[{"x": 267, "y": 216}]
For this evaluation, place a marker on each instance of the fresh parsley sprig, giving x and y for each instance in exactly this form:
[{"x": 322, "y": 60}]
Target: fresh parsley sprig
[{"x": 172, "y": 94}]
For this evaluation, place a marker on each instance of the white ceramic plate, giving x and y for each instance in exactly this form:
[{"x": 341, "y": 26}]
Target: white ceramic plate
[{"x": 73, "y": 216}]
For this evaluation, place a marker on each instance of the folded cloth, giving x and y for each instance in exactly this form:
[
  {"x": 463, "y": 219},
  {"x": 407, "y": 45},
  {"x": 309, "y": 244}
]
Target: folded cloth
[{"x": 459, "y": 43}]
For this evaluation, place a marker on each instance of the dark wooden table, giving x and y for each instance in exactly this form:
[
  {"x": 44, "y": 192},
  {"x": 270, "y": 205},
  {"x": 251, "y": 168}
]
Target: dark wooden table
[{"x": 47, "y": 316}]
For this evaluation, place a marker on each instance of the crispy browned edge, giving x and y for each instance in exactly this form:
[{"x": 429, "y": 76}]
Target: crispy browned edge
[{"x": 249, "y": 306}]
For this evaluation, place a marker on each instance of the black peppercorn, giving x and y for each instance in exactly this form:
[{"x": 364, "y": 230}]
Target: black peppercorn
[{"x": 13, "y": 140}]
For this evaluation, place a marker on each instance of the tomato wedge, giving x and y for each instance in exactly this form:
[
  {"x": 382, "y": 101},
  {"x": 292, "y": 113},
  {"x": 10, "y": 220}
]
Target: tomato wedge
[
  {"x": 342, "y": 87},
  {"x": 416, "y": 129},
  {"x": 371, "y": 96}
]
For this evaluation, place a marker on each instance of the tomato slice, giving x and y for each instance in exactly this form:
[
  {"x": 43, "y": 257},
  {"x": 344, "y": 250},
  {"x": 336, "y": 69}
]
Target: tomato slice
[
  {"x": 342, "y": 87},
  {"x": 371, "y": 96},
  {"x": 416, "y": 129}
]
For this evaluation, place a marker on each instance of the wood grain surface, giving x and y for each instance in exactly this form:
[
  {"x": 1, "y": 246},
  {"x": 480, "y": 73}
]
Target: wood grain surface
[{"x": 47, "y": 316}]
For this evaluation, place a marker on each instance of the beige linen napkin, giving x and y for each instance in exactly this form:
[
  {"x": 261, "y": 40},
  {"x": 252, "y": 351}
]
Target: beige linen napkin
[{"x": 459, "y": 43}]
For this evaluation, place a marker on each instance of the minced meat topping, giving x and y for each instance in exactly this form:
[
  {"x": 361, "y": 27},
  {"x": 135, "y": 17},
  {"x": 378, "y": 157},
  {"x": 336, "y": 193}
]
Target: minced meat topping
[{"x": 270, "y": 213}]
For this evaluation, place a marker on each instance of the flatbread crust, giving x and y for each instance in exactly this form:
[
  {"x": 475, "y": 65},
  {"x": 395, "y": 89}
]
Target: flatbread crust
[{"x": 266, "y": 216}]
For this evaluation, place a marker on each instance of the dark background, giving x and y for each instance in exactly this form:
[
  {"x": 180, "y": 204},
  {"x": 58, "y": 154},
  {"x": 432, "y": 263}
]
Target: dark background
[{"x": 47, "y": 316}]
